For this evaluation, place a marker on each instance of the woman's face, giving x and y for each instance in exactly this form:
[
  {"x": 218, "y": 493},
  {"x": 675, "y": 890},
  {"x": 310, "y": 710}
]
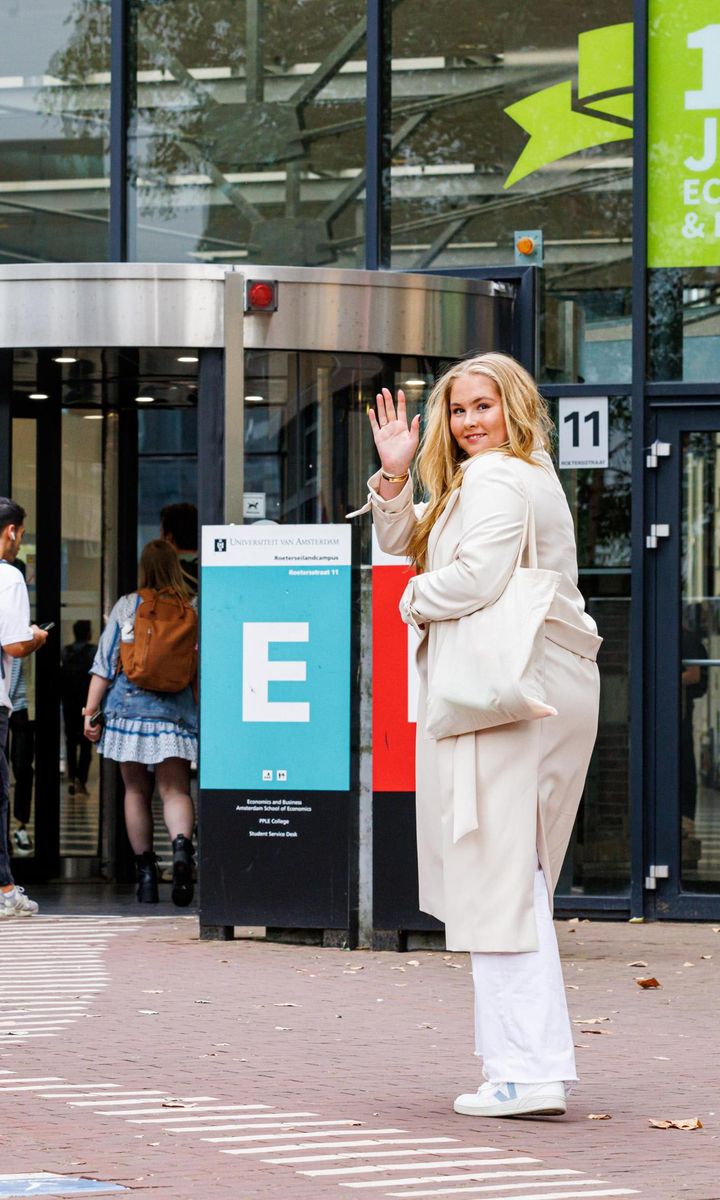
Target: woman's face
[{"x": 476, "y": 416}]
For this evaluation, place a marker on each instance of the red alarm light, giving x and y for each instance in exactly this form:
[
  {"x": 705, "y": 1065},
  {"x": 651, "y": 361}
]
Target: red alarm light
[{"x": 260, "y": 296}]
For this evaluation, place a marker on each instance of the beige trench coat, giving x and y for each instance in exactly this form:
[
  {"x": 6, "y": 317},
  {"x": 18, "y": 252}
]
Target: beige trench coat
[{"x": 524, "y": 780}]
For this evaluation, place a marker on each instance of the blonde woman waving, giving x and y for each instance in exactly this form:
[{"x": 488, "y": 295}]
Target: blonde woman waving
[{"x": 495, "y": 808}]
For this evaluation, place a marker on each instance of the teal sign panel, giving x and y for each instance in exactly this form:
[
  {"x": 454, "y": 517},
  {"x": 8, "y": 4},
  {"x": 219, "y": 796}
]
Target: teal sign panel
[{"x": 275, "y": 658}]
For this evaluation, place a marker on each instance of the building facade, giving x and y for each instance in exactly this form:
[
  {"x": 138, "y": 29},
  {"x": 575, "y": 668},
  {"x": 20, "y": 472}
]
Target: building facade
[{"x": 560, "y": 149}]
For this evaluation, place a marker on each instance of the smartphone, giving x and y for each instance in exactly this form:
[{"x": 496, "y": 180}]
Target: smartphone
[
  {"x": 47, "y": 627},
  {"x": 96, "y": 718}
]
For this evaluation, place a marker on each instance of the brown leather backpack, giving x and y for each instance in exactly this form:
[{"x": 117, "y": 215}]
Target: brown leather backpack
[{"x": 163, "y": 656}]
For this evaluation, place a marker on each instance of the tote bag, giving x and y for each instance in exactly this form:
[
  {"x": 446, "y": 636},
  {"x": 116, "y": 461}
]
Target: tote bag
[{"x": 490, "y": 666}]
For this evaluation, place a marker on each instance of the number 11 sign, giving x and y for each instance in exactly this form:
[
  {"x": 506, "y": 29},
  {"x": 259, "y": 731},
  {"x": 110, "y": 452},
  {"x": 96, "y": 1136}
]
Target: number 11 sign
[{"x": 583, "y": 432}]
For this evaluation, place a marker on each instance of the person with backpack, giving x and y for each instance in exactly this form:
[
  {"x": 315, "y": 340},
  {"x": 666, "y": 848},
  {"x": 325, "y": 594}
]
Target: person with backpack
[{"x": 141, "y": 711}]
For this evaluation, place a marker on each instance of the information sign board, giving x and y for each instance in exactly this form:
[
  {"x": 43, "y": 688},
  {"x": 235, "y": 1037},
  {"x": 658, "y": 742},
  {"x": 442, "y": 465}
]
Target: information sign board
[
  {"x": 275, "y": 720},
  {"x": 275, "y": 662},
  {"x": 583, "y": 432},
  {"x": 683, "y": 146}
]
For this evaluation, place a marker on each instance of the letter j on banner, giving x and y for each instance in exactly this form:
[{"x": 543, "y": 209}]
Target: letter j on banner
[
  {"x": 275, "y": 658},
  {"x": 683, "y": 143}
]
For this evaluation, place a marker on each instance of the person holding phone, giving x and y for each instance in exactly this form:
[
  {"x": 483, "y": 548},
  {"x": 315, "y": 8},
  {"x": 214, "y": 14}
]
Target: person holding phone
[{"x": 18, "y": 639}]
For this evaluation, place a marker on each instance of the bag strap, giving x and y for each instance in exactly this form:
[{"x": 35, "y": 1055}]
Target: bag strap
[{"x": 528, "y": 540}]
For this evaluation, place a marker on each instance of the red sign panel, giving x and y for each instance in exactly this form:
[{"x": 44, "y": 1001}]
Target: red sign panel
[{"x": 394, "y": 691}]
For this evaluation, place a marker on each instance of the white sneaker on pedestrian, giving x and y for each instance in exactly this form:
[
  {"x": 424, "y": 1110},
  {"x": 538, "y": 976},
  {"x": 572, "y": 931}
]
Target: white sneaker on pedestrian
[
  {"x": 16, "y": 904},
  {"x": 514, "y": 1100},
  {"x": 23, "y": 842}
]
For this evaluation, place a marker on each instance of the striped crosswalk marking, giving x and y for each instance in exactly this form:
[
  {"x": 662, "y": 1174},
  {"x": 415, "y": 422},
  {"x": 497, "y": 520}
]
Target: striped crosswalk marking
[{"x": 51, "y": 971}]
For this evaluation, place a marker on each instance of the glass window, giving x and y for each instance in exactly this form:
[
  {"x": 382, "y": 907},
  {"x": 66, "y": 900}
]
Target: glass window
[
  {"x": 248, "y": 131},
  {"x": 598, "y": 858},
  {"x": 684, "y": 324},
  {"x": 502, "y": 125},
  {"x": 699, "y": 774},
  {"x": 55, "y": 78}
]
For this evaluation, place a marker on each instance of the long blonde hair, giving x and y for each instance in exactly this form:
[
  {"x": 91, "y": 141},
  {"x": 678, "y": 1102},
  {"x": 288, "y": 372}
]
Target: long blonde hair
[
  {"x": 160, "y": 569},
  {"x": 437, "y": 466}
]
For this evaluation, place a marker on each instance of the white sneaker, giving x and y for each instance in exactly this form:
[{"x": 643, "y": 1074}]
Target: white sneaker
[
  {"x": 17, "y": 904},
  {"x": 514, "y": 1100},
  {"x": 23, "y": 842}
]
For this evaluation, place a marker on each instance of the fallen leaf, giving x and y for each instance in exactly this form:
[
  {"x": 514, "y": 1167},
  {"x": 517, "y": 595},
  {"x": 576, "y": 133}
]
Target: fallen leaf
[
  {"x": 286, "y": 1004},
  {"x": 688, "y": 1123},
  {"x": 581, "y": 1045},
  {"x": 148, "y": 1012},
  {"x": 661, "y": 1057},
  {"x": 455, "y": 966},
  {"x": 648, "y": 982},
  {"x": 398, "y": 969},
  {"x": 639, "y": 962},
  {"x": 152, "y": 991},
  {"x": 202, "y": 1002},
  {"x": 636, "y": 921},
  {"x": 574, "y": 921},
  {"x": 716, "y": 928},
  {"x": 427, "y": 1025},
  {"x": 706, "y": 955},
  {"x": 607, "y": 1032},
  {"x": 590, "y": 1020},
  {"x": 283, "y": 1028},
  {"x": 572, "y": 987},
  {"x": 413, "y": 962},
  {"x": 170, "y": 1103},
  {"x": 599, "y": 1117},
  {"x": 688, "y": 964},
  {"x": 352, "y": 970}
]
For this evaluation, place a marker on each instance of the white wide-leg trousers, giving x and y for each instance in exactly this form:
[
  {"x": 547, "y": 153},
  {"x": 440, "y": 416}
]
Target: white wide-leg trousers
[{"x": 522, "y": 1025}]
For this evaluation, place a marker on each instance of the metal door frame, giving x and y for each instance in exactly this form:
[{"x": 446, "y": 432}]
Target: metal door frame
[{"x": 664, "y": 896}]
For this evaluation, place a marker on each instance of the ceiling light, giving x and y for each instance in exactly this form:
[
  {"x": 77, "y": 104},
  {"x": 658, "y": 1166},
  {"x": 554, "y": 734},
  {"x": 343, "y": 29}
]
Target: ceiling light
[
  {"x": 66, "y": 359},
  {"x": 414, "y": 383},
  {"x": 38, "y": 396},
  {"x": 254, "y": 399},
  {"x": 93, "y": 417},
  {"x": 144, "y": 399},
  {"x": 188, "y": 358}
]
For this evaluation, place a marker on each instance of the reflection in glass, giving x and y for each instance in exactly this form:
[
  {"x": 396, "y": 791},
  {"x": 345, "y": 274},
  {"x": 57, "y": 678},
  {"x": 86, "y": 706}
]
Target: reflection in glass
[
  {"x": 81, "y": 583},
  {"x": 699, "y": 774},
  {"x": 598, "y": 858},
  {"x": 54, "y": 165},
  {"x": 454, "y": 146},
  {"x": 684, "y": 324},
  {"x": 247, "y": 136},
  {"x": 308, "y": 446}
]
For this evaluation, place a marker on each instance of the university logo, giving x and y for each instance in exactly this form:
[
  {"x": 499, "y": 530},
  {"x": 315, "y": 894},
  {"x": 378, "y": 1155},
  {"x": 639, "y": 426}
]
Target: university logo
[
  {"x": 220, "y": 545},
  {"x": 566, "y": 118}
]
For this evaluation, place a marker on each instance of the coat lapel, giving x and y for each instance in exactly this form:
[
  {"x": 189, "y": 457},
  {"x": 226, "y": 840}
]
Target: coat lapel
[{"x": 440, "y": 525}]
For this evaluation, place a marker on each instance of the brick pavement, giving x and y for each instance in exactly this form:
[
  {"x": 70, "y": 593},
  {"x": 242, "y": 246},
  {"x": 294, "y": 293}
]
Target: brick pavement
[{"x": 378, "y": 1038}]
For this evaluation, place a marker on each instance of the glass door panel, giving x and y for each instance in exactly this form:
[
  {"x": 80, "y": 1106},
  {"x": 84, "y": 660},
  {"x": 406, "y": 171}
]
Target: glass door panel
[
  {"x": 684, "y": 854},
  {"x": 699, "y": 675},
  {"x": 81, "y": 606}
]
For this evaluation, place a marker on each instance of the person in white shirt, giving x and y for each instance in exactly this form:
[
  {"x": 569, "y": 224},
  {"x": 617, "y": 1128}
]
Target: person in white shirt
[{"x": 18, "y": 639}]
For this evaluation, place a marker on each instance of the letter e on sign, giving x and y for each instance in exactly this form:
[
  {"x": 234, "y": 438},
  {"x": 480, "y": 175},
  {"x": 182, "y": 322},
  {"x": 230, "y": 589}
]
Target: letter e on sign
[
  {"x": 583, "y": 432},
  {"x": 259, "y": 671}
]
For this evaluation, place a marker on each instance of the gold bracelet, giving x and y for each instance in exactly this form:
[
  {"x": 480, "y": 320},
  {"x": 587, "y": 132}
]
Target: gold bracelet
[{"x": 394, "y": 478}]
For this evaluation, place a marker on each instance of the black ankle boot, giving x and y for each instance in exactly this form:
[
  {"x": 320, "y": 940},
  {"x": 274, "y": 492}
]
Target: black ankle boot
[
  {"x": 147, "y": 878},
  {"x": 182, "y": 871}
]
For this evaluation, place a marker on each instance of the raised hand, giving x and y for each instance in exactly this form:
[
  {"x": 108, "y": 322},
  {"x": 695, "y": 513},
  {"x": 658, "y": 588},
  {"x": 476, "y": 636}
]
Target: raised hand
[{"x": 396, "y": 441}]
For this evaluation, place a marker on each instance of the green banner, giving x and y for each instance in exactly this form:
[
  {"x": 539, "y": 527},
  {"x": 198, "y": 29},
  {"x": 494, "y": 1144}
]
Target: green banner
[
  {"x": 566, "y": 118},
  {"x": 683, "y": 110}
]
